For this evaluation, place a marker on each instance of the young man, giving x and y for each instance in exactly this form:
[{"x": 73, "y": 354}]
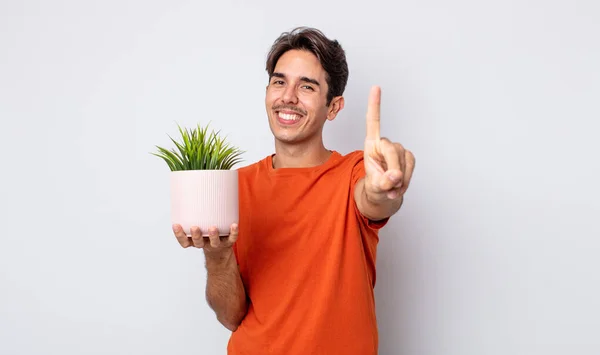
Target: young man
[{"x": 299, "y": 278}]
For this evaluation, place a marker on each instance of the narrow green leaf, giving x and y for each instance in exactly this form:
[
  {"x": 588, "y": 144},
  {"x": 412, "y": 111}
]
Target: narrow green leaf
[{"x": 200, "y": 149}]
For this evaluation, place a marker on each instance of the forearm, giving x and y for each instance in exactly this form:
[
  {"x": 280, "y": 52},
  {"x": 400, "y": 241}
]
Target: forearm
[
  {"x": 375, "y": 209},
  {"x": 225, "y": 292}
]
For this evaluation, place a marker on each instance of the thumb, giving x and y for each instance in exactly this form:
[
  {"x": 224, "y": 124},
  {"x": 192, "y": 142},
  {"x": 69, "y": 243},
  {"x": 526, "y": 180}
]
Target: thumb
[{"x": 390, "y": 180}]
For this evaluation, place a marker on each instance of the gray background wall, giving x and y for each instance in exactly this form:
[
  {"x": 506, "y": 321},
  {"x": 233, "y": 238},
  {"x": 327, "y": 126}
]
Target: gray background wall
[{"x": 494, "y": 252}]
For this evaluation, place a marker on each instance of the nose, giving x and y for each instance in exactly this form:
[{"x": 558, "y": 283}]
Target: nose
[{"x": 289, "y": 95}]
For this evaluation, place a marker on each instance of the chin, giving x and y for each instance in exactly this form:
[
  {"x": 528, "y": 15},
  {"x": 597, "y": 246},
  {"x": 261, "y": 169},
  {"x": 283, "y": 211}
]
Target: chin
[{"x": 286, "y": 138}]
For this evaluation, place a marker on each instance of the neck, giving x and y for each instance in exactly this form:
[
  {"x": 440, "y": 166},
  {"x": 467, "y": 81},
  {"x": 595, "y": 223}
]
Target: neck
[{"x": 299, "y": 155}]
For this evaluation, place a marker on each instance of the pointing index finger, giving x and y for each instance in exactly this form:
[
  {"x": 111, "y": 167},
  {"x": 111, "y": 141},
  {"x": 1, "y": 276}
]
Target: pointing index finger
[{"x": 373, "y": 110}]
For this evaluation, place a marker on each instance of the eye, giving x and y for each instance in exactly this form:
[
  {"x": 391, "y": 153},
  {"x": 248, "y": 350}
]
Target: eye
[
  {"x": 277, "y": 82},
  {"x": 308, "y": 87}
]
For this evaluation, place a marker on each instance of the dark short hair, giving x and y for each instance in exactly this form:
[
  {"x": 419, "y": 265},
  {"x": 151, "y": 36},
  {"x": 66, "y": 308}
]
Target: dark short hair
[{"x": 329, "y": 53}]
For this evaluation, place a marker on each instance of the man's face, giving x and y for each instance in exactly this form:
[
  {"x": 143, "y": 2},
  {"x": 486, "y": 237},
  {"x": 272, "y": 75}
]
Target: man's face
[{"x": 296, "y": 98}]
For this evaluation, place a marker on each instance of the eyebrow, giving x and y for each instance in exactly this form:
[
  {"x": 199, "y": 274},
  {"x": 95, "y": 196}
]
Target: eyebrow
[{"x": 304, "y": 78}]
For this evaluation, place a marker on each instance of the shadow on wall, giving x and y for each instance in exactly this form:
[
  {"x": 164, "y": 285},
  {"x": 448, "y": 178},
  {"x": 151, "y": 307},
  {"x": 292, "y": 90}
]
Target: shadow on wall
[{"x": 400, "y": 286}]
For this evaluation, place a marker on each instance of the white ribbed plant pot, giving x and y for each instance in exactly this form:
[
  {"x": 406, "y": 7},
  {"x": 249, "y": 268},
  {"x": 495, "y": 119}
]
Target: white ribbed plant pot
[{"x": 204, "y": 198}]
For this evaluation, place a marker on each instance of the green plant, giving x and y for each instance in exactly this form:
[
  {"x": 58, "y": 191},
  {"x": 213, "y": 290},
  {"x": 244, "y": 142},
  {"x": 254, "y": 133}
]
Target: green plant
[{"x": 200, "y": 150}]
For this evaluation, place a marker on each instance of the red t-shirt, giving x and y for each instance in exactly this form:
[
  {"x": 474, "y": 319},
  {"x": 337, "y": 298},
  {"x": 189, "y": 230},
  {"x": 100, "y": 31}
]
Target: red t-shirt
[{"x": 307, "y": 260}]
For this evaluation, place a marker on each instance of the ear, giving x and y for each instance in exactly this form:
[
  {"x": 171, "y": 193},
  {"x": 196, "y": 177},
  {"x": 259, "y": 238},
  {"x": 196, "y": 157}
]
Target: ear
[{"x": 336, "y": 105}]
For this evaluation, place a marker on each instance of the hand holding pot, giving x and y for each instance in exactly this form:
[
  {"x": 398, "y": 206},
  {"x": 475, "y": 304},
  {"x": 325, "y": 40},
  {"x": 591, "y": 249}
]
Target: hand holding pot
[{"x": 211, "y": 243}]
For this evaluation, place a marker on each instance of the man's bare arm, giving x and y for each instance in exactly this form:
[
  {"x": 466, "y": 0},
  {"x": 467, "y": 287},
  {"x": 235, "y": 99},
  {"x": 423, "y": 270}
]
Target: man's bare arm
[{"x": 225, "y": 291}]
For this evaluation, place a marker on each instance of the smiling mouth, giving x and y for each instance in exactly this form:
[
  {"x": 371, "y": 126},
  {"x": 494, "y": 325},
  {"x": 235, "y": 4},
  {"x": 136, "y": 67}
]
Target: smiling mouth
[{"x": 288, "y": 117}]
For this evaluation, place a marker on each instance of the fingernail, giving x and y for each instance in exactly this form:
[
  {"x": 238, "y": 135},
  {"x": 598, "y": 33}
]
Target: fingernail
[{"x": 393, "y": 177}]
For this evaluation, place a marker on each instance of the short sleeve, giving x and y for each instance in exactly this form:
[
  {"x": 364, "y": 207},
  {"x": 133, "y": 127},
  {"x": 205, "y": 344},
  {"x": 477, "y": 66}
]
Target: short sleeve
[{"x": 358, "y": 172}]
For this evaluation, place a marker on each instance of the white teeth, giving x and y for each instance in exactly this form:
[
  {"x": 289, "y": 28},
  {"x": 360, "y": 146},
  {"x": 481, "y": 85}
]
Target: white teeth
[{"x": 289, "y": 117}]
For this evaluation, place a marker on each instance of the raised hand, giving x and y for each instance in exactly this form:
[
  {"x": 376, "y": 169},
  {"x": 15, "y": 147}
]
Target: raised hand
[{"x": 388, "y": 165}]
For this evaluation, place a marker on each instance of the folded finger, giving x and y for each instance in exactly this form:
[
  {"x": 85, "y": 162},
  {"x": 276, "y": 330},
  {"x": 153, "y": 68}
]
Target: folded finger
[
  {"x": 400, "y": 151},
  {"x": 393, "y": 174},
  {"x": 390, "y": 154},
  {"x": 410, "y": 167}
]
